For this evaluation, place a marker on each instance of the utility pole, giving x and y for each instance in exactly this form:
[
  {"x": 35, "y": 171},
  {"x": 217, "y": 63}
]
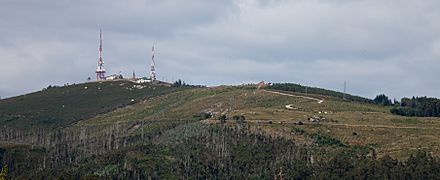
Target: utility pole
[{"x": 345, "y": 89}]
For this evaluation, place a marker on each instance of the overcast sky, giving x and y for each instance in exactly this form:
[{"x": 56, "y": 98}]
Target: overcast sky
[{"x": 377, "y": 46}]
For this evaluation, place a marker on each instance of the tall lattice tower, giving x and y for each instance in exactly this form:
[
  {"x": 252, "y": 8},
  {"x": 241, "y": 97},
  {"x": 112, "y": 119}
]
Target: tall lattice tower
[
  {"x": 152, "y": 66},
  {"x": 100, "y": 71}
]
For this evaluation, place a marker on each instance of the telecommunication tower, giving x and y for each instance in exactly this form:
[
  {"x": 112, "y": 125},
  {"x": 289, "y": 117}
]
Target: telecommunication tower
[
  {"x": 100, "y": 71},
  {"x": 152, "y": 67}
]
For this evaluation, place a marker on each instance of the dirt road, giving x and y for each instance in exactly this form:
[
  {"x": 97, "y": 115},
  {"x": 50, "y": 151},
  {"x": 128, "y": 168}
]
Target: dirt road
[{"x": 291, "y": 95}]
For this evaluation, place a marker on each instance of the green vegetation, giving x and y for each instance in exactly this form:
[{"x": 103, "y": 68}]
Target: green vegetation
[
  {"x": 326, "y": 140},
  {"x": 227, "y": 132},
  {"x": 420, "y": 165},
  {"x": 298, "y": 130},
  {"x": 202, "y": 116},
  {"x": 418, "y": 106},
  {"x": 4, "y": 172},
  {"x": 382, "y": 99},
  {"x": 61, "y": 106},
  {"x": 239, "y": 118}
]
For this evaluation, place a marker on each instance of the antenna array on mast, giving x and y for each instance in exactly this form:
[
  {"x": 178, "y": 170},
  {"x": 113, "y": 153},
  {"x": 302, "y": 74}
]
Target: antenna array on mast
[
  {"x": 152, "y": 67},
  {"x": 100, "y": 71}
]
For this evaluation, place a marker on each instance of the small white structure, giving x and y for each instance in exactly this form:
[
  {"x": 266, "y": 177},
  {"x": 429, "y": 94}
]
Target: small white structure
[
  {"x": 316, "y": 119},
  {"x": 114, "y": 77},
  {"x": 142, "y": 80}
]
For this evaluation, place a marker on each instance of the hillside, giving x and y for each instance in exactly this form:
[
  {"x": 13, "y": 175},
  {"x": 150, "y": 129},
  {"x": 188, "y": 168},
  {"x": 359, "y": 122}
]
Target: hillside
[
  {"x": 167, "y": 134},
  {"x": 61, "y": 106}
]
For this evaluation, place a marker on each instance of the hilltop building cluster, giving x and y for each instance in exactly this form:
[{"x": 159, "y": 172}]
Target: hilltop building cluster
[{"x": 100, "y": 71}]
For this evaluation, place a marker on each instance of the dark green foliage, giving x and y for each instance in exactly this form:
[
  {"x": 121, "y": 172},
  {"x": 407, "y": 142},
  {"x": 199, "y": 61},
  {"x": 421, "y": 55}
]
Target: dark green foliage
[
  {"x": 359, "y": 166},
  {"x": 298, "y": 130},
  {"x": 382, "y": 99},
  {"x": 418, "y": 106},
  {"x": 326, "y": 140},
  {"x": 197, "y": 151},
  {"x": 318, "y": 91},
  {"x": 203, "y": 116},
  {"x": 180, "y": 83},
  {"x": 239, "y": 118},
  {"x": 61, "y": 106}
]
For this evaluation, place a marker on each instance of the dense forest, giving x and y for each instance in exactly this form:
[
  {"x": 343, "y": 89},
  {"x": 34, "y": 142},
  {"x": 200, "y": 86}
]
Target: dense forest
[
  {"x": 319, "y": 91},
  {"x": 418, "y": 106},
  {"x": 199, "y": 151}
]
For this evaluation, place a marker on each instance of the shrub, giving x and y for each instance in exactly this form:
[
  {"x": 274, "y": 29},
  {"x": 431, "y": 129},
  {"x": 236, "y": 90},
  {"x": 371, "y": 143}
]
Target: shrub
[
  {"x": 203, "y": 116},
  {"x": 298, "y": 130},
  {"x": 239, "y": 118},
  {"x": 354, "y": 134},
  {"x": 326, "y": 140}
]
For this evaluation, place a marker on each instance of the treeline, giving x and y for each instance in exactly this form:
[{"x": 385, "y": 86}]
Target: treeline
[
  {"x": 319, "y": 91},
  {"x": 418, "y": 106},
  {"x": 180, "y": 83},
  {"x": 415, "y": 106}
]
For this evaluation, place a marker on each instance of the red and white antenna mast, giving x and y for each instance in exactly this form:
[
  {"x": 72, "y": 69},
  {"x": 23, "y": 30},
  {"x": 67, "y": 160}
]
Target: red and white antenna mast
[
  {"x": 100, "y": 71},
  {"x": 153, "y": 64}
]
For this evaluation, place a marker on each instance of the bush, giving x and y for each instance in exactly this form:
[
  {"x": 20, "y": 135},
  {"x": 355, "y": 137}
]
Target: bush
[
  {"x": 203, "y": 116},
  {"x": 239, "y": 118},
  {"x": 326, "y": 140},
  {"x": 354, "y": 133},
  {"x": 298, "y": 130}
]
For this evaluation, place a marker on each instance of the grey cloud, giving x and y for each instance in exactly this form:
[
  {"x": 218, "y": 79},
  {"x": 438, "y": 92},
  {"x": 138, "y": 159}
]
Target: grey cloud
[{"x": 388, "y": 46}]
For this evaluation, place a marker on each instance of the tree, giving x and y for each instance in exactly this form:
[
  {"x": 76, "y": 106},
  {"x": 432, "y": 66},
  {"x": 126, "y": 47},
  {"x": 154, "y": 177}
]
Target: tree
[
  {"x": 382, "y": 99},
  {"x": 179, "y": 83},
  {"x": 4, "y": 173}
]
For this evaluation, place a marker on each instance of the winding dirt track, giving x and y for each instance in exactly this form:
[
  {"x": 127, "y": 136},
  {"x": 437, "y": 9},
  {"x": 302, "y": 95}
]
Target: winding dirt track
[
  {"x": 291, "y": 95},
  {"x": 339, "y": 124},
  {"x": 289, "y": 106}
]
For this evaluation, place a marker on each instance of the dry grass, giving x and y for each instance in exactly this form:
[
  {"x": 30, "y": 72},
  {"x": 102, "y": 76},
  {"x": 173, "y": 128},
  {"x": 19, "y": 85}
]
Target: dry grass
[{"x": 352, "y": 123}]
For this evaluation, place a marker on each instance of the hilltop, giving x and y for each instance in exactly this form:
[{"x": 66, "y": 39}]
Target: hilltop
[
  {"x": 59, "y": 106},
  {"x": 121, "y": 129}
]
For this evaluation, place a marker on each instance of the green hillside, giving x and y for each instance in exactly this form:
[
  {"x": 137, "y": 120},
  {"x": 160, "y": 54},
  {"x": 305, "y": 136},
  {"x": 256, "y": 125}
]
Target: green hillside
[
  {"x": 176, "y": 133},
  {"x": 61, "y": 106}
]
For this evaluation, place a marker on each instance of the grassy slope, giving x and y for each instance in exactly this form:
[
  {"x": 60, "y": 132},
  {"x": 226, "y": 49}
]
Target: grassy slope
[
  {"x": 61, "y": 106},
  {"x": 373, "y": 124}
]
